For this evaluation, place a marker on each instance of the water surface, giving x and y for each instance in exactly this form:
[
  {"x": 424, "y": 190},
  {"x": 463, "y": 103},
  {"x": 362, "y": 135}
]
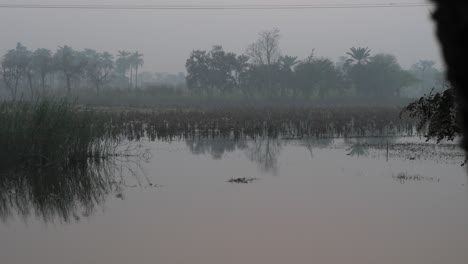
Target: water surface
[{"x": 313, "y": 201}]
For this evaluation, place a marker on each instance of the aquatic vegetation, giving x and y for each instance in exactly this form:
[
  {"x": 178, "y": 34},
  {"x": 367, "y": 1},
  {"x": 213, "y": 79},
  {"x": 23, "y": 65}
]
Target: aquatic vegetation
[
  {"x": 237, "y": 123},
  {"x": 57, "y": 161}
]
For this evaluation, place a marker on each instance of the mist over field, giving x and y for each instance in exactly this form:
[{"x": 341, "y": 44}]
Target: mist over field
[
  {"x": 166, "y": 37},
  {"x": 231, "y": 132}
]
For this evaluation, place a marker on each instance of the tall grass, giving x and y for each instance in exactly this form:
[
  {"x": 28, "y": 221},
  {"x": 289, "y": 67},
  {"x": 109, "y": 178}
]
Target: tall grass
[
  {"x": 320, "y": 122},
  {"x": 50, "y": 132}
]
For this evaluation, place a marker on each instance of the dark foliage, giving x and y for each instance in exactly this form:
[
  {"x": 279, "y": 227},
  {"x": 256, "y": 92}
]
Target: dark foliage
[
  {"x": 451, "y": 19},
  {"x": 437, "y": 113}
]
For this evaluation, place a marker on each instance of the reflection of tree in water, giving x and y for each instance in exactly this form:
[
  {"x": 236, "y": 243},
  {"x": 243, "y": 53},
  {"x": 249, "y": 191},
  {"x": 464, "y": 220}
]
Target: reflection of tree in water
[
  {"x": 361, "y": 146},
  {"x": 374, "y": 141},
  {"x": 63, "y": 193},
  {"x": 216, "y": 147},
  {"x": 312, "y": 142},
  {"x": 265, "y": 151},
  {"x": 358, "y": 149}
]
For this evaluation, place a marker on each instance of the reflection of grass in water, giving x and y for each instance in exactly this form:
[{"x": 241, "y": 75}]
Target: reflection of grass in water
[
  {"x": 57, "y": 161},
  {"x": 55, "y": 191},
  {"x": 68, "y": 192}
]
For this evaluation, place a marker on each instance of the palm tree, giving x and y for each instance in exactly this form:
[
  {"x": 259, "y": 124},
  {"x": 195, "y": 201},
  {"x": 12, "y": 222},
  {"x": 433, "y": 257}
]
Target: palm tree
[
  {"x": 137, "y": 61},
  {"x": 358, "y": 56},
  {"x": 123, "y": 62},
  {"x": 288, "y": 62}
]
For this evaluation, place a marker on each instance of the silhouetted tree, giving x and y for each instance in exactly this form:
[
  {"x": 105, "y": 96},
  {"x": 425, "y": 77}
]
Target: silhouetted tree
[
  {"x": 43, "y": 65},
  {"x": 99, "y": 66},
  {"x": 286, "y": 72},
  {"x": 123, "y": 64},
  {"x": 318, "y": 75},
  {"x": 242, "y": 67},
  {"x": 13, "y": 64},
  {"x": 221, "y": 70},
  {"x": 215, "y": 71},
  {"x": 358, "y": 56},
  {"x": 380, "y": 76},
  {"x": 71, "y": 63},
  {"x": 428, "y": 76},
  {"x": 136, "y": 60},
  {"x": 197, "y": 66},
  {"x": 385, "y": 77},
  {"x": 265, "y": 52}
]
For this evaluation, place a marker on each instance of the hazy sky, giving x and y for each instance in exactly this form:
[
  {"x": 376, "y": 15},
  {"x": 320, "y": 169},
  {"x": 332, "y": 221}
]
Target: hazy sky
[{"x": 166, "y": 37}]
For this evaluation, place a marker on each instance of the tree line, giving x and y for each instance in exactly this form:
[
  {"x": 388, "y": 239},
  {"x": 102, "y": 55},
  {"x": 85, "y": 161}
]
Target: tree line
[
  {"x": 39, "y": 70},
  {"x": 264, "y": 71}
]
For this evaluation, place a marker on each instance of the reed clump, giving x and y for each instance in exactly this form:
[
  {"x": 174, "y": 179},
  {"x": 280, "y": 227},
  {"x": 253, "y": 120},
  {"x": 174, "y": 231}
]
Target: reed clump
[{"x": 51, "y": 132}]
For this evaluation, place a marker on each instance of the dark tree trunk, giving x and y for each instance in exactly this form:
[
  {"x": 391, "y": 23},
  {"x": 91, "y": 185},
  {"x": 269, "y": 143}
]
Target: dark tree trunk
[
  {"x": 451, "y": 18},
  {"x": 131, "y": 78},
  {"x": 31, "y": 85},
  {"x": 136, "y": 76},
  {"x": 68, "y": 85},
  {"x": 15, "y": 89},
  {"x": 43, "y": 77}
]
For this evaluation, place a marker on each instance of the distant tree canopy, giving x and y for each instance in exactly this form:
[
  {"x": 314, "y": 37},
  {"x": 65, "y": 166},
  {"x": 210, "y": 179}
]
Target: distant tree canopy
[
  {"x": 26, "y": 70},
  {"x": 213, "y": 71},
  {"x": 380, "y": 75},
  {"x": 264, "y": 71}
]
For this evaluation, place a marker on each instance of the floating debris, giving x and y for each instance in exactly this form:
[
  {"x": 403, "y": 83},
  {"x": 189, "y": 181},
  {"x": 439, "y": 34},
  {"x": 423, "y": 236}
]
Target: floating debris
[
  {"x": 242, "y": 180},
  {"x": 403, "y": 177}
]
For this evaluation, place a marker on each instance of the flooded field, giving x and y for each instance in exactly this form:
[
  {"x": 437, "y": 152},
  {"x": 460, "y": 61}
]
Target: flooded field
[
  {"x": 263, "y": 200},
  {"x": 263, "y": 132}
]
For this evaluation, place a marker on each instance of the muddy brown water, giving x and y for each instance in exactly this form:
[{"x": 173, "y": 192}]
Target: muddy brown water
[{"x": 313, "y": 201}]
